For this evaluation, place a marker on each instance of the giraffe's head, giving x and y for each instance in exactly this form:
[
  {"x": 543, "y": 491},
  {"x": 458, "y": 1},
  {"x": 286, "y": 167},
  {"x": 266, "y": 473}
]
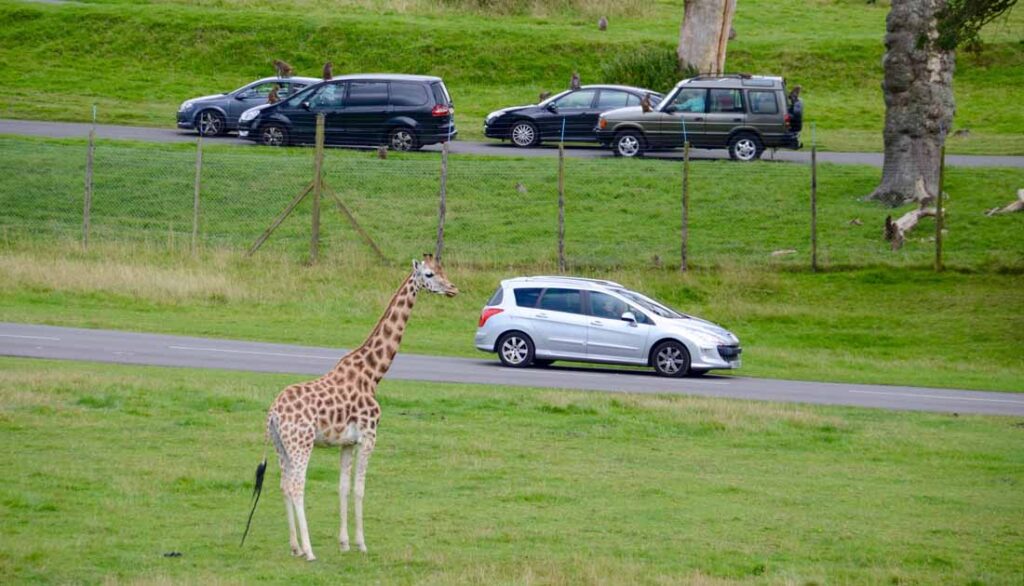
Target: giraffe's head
[{"x": 428, "y": 274}]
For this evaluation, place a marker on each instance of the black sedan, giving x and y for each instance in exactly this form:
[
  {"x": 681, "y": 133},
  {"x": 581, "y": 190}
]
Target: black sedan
[{"x": 568, "y": 116}]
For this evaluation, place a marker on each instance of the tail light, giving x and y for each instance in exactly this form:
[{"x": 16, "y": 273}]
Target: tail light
[
  {"x": 788, "y": 118},
  {"x": 441, "y": 110},
  {"x": 602, "y": 124},
  {"x": 487, "y": 314}
]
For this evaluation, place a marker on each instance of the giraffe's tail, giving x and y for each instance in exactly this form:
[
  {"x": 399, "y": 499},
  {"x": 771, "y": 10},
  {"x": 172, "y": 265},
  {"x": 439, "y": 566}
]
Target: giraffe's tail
[{"x": 257, "y": 489}]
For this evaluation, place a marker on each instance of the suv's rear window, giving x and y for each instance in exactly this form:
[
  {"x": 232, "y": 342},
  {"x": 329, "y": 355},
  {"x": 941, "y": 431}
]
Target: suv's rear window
[
  {"x": 367, "y": 93},
  {"x": 405, "y": 93},
  {"x": 527, "y": 297},
  {"x": 763, "y": 102},
  {"x": 441, "y": 94}
]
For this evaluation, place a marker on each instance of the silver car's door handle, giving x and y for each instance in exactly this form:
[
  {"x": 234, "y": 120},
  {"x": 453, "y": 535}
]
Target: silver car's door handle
[
  {"x": 698, "y": 119},
  {"x": 737, "y": 120},
  {"x": 597, "y": 323},
  {"x": 542, "y": 315}
]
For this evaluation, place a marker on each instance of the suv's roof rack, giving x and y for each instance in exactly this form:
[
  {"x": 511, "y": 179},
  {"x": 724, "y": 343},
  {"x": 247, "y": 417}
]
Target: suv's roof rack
[{"x": 578, "y": 279}]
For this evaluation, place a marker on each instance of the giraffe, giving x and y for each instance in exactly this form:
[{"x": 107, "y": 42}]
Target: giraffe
[{"x": 340, "y": 409}]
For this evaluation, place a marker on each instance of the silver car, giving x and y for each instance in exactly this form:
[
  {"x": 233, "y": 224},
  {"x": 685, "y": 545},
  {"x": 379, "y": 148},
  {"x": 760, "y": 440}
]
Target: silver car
[{"x": 538, "y": 320}]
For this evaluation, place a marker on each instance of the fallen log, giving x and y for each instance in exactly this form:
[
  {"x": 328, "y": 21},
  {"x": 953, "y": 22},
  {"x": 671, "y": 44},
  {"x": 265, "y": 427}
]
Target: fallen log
[
  {"x": 1009, "y": 208},
  {"x": 896, "y": 231}
]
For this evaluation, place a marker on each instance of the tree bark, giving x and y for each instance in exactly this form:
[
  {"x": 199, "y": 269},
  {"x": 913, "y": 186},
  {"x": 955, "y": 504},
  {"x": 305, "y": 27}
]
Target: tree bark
[
  {"x": 896, "y": 232},
  {"x": 919, "y": 105},
  {"x": 704, "y": 34},
  {"x": 1017, "y": 206}
]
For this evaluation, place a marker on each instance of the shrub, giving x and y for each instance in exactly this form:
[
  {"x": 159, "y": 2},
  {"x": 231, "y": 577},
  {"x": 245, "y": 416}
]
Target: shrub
[{"x": 655, "y": 68}]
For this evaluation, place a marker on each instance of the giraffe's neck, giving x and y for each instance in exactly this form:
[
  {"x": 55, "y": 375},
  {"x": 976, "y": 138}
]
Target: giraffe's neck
[{"x": 380, "y": 347}]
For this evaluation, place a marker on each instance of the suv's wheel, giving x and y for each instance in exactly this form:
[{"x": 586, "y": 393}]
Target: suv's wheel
[
  {"x": 745, "y": 147},
  {"x": 210, "y": 123},
  {"x": 403, "y": 139},
  {"x": 524, "y": 134},
  {"x": 629, "y": 143},
  {"x": 670, "y": 358},
  {"x": 274, "y": 135},
  {"x": 515, "y": 349}
]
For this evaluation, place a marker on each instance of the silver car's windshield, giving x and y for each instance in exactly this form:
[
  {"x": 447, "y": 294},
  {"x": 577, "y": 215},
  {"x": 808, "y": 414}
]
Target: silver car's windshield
[{"x": 650, "y": 304}]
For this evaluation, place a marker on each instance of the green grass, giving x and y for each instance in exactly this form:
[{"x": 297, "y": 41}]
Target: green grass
[
  {"x": 875, "y": 325},
  {"x": 138, "y": 61},
  {"x": 109, "y": 467}
]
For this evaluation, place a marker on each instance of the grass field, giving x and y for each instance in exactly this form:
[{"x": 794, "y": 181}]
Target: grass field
[
  {"x": 110, "y": 467},
  {"x": 138, "y": 60}
]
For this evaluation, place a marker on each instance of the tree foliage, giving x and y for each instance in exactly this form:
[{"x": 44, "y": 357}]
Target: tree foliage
[{"x": 960, "y": 22}]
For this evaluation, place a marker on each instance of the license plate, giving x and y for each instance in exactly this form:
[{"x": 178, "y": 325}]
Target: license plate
[{"x": 243, "y": 133}]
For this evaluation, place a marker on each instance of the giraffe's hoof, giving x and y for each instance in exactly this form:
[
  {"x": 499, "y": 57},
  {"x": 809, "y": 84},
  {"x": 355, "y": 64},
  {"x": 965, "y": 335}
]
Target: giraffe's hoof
[
  {"x": 361, "y": 547},
  {"x": 297, "y": 551},
  {"x": 310, "y": 557},
  {"x": 344, "y": 546}
]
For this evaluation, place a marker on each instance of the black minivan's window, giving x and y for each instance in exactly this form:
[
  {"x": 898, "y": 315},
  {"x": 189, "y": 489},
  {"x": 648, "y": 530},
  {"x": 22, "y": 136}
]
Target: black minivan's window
[
  {"x": 367, "y": 93},
  {"x": 408, "y": 94},
  {"x": 440, "y": 94},
  {"x": 567, "y": 300},
  {"x": 527, "y": 297},
  {"x": 331, "y": 95}
]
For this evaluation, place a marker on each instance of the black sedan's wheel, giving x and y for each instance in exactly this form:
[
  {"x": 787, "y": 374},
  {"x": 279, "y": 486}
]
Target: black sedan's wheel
[
  {"x": 515, "y": 349},
  {"x": 524, "y": 134},
  {"x": 670, "y": 359},
  {"x": 274, "y": 135},
  {"x": 403, "y": 139},
  {"x": 210, "y": 123},
  {"x": 745, "y": 147},
  {"x": 628, "y": 144}
]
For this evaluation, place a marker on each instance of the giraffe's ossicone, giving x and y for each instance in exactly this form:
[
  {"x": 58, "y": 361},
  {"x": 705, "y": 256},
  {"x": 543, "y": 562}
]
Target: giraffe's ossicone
[{"x": 340, "y": 409}]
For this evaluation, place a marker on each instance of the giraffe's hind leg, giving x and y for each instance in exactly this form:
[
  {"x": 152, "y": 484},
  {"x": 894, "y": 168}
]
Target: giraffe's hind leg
[{"x": 296, "y": 446}]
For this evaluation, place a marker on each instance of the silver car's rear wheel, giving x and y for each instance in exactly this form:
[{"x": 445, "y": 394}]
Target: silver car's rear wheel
[
  {"x": 671, "y": 359},
  {"x": 524, "y": 134},
  {"x": 515, "y": 349},
  {"x": 210, "y": 123}
]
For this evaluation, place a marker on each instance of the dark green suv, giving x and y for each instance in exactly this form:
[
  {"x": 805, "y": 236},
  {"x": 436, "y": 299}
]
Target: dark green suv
[{"x": 742, "y": 113}]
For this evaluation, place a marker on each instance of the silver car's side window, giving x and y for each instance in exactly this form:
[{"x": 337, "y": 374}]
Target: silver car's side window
[
  {"x": 566, "y": 300},
  {"x": 527, "y": 297},
  {"x": 606, "y": 306}
]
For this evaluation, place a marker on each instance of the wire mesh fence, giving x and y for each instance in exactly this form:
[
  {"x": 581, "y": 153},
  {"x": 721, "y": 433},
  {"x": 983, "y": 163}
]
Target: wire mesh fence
[{"x": 500, "y": 212}]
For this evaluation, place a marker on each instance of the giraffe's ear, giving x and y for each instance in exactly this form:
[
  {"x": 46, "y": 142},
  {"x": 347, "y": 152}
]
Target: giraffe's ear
[{"x": 415, "y": 264}]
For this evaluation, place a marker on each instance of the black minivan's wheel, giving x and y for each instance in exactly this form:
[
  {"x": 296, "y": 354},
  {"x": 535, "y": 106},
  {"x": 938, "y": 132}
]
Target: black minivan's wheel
[
  {"x": 745, "y": 147},
  {"x": 274, "y": 135},
  {"x": 210, "y": 123},
  {"x": 670, "y": 358},
  {"x": 515, "y": 349},
  {"x": 403, "y": 139},
  {"x": 524, "y": 134},
  {"x": 629, "y": 143}
]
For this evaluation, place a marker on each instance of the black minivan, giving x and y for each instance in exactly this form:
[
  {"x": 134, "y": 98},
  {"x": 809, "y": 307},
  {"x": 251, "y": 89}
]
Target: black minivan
[{"x": 404, "y": 112}]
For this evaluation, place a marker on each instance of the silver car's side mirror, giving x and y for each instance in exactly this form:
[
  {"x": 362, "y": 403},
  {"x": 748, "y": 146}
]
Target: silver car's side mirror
[{"x": 629, "y": 317}]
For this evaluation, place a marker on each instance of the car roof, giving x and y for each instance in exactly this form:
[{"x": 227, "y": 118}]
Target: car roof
[
  {"x": 618, "y": 87},
  {"x": 547, "y": 280},
  {"x": 385, "y": 76},
  {"x": 735, "y": 81},
  {"x": 307, "y": 80}
]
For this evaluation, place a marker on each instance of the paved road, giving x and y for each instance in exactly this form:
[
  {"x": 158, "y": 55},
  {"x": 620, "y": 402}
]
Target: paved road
[
  {"x": 78, "y": 130},
  {"x": 133, "y": 348}
]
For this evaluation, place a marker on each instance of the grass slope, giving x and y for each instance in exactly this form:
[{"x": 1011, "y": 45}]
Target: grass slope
[
  {"x": 138, "y": 61},
  {"x": 493, "y": 485}
]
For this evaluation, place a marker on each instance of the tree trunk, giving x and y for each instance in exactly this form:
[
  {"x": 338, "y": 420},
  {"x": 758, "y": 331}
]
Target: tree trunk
[
  {"x": 919, "y": 106},
  {"x": 704, "y": 35}
]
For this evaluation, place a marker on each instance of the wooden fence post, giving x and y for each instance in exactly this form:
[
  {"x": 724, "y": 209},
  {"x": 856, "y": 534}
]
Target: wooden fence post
[
  {"x": 561, "y": 207},
  {"x": 318, "y": 184},
  {"x": 939, "y": 213},
  {"x": 87, "y": 203},
  {"x": 814, "y": 208},
  {"x": 685, "y": 231},
  {"x": 443, "y": 205},
  {"x": 195, "y": 195}
]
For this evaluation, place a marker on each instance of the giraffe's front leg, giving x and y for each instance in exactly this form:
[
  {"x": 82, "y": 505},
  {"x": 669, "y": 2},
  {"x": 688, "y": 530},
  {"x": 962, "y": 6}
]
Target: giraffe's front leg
[
  {"x": 364, "y": 459},
  {"x": 343, "y": 490}
]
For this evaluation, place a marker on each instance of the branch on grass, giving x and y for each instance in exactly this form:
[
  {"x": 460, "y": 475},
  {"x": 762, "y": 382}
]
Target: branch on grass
[
  {"x": 896, "y": 231},
  {"x": 1016, "y": 206}
]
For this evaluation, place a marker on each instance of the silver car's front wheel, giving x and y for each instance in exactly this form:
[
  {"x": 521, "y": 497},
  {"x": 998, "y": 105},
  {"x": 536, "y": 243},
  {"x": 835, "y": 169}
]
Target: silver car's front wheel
[
  {"x": 671, "y": 359},
  {"x": 523, "y": 134},
  {"x": 210, "y": 123},
  {"x": 628, "y": 144},
  {"x": 515, "y": 349}
]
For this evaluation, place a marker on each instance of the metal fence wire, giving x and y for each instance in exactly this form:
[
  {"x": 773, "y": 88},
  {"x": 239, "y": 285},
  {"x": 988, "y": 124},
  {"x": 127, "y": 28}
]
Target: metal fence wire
[{"x": 500, "y": 212}]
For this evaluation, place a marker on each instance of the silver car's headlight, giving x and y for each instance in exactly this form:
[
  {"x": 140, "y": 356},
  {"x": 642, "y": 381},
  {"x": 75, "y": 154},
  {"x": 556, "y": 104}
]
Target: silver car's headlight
[{"x": 249, "y": 114}]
